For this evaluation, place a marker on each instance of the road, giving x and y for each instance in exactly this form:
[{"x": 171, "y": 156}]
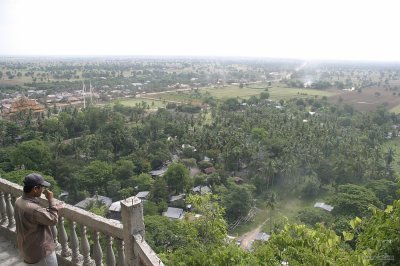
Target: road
[{"x": 247, "y": 238}]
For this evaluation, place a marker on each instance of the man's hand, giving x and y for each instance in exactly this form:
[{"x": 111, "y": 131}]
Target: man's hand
[{"x": 48, "y": 194}]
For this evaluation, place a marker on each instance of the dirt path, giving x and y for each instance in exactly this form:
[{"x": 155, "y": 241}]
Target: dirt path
[{"x": 248, "y": 237}]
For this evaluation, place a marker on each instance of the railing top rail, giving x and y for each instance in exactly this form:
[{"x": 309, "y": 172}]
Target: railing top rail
[
  {"x": 146, "y": 254},
  {"x": 82, "y": 217}
]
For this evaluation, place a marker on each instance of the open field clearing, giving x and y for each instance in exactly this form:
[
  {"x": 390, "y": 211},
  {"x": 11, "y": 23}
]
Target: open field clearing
[
  {"x": 368, "y": 99},
  {"x": 278, "y": 93},
  {"x": 135, "y": 101},
  {"x": 223, "y": 93}
]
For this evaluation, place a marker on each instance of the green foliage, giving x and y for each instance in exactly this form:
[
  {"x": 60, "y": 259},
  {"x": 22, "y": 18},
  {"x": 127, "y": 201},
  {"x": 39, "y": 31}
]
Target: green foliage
[
  {"x": 33, "y": 155},
  {"x": 353, "y": 200},
  {"x": 380, "y": 236},
  {"x": 311, "y": 186},
  {"x": 300, "y": 245},
  {"x": 144, "y": 182},
  {"x": 123, "y": 169},
  {"x": 212, "y": 255},
  {"x": 165, "y": 235},
  {"x": 312, "y": 216},
  {"x": 211, "y": 226},
  {"x": 98, "y": 208},
  {"x": 237, "y": 202},
  {"x": 177, "y": 177},
  {"x": 94, "y": 177},
  {"x": 159, "y": 190},
  {"x": 385, "y": 190},
  {"x": 18, "y": 177}
]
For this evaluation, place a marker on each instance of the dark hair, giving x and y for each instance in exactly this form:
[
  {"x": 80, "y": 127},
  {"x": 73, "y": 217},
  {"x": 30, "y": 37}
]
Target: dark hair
[{"x": 27, "y": 189}]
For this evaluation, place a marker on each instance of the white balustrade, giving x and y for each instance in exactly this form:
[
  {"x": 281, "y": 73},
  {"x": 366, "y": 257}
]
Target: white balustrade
[{"x": 128, "y": 236}]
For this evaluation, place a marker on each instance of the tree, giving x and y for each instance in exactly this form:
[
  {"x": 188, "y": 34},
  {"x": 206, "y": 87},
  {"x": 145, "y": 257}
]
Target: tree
[
  {"x": 123, "y": 169},
  {"x": 237, "y": 202},
  {"x": 311, "y": 216},
  {"x": 380, "y": 236},
  {"x": 264, "y": 95},
  {"x": 94, "y": 177},
  {"x": 385, "y": 190},
  {"x": 33, "y": 155},
  {"x": 159, "y": 191},
  {"x": 18, "y": 177},
  {"x": 144, "y": 182},
  {"x": 177, "y": 177},
  {"x": 353, "y": 200}
]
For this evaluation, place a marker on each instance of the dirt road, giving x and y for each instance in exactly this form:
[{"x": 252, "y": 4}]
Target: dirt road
[{"x": 247, "y": 238}]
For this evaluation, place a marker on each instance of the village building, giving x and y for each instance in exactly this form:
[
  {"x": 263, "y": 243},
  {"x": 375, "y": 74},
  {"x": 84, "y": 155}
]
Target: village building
[
  {"x": 88, "y": 202},
  {"x": 143, "y": 195},
  {"x": 177, "y": 200},
  {"x": 174, "y": 213},
  {"x": 21, "y": 107},
  {"x": 324, "y": 206},
  {"x": 209, "y": 170},
  {"x": 201, "y": 190},
  {"x": 114, "y": 211}
]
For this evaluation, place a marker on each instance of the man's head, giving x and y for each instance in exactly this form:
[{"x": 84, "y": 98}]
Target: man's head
[{"x": 34, "y": 183}]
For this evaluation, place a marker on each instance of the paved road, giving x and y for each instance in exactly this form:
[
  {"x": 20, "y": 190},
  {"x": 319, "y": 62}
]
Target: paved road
[{"x": 9, "y": 254}]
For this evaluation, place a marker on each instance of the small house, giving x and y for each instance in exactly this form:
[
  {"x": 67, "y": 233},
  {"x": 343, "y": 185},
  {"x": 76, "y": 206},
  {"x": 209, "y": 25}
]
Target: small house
[{"x": 174, "y": 213}]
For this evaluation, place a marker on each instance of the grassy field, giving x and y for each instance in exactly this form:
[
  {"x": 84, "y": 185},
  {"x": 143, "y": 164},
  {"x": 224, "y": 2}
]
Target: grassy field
[
  {"x": 286, "y": 208},
  {"x": 223, "y": 93},
  {"x": 395, "y": 109},
  {"x": 152, "y": 103},
  {"x": 278, "y": 93}
]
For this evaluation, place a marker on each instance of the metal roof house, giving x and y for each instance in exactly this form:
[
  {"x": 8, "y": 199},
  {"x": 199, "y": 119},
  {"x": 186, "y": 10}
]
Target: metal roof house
[
  {"x": 201, "y": 190},
  {"x": 143, "y": 195},
  {"x": 86, "y": 203},
  {"x": 174, "y": 213},
  {"x": 323, "y": 206}
]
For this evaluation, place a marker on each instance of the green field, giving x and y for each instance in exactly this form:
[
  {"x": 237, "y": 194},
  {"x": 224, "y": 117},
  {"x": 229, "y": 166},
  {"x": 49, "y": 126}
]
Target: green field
[
  {"x": 134, "y": 101},
  {"x": 223, "y": 93},
  {"x": 395, "y": 109},
  {"x": 278, "y": 93}
]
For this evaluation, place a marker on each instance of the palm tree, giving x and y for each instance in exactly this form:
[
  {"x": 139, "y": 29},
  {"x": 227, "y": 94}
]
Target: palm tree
[{"x": 271, "y": 203}]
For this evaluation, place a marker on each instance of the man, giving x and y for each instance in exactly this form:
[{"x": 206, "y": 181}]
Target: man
[{"x": 34, "y": 236}]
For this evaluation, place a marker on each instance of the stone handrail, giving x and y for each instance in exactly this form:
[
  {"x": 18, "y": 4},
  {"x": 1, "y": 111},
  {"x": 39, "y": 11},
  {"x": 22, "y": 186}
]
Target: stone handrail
[{"x": 73, "y": 248}]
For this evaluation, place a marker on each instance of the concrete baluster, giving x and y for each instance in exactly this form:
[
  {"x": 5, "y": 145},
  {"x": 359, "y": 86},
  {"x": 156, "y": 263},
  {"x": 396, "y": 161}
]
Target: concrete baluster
[
  {"x": 120, "y": 252},
  {"x": 10, "y": 211},
  {"x": 74, "y": 243},
  {"x": 54, "y": 231},
  {"x": 87, "y": 261},
  {"x": 65, "y": 250},
  {"x": 97, "y": 252},
  {"x": 3, "y": 209},
  {"x": 110, "y": 252},
  {"x": 133, "y": 223}
]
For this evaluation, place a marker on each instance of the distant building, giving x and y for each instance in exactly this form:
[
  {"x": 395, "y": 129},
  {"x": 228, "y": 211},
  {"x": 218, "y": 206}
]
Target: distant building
[
  {"x": 201, "y": 190},
  {"x": 238, "y": 180},
  {"x": 22, "y": 106},
  {"x": 209, "y": 170},
  {"x": 174, "y": 213},
  {"x": 323, "y": 206},
  {"x": 262, "y": 236},
  {"x": 114, "y": 211},
  {"x": 86, "y": 203},
  {"x": 143, "y": 195},
  {"x": 158, "y": 173},
  {"x": 177, "y": 200}
]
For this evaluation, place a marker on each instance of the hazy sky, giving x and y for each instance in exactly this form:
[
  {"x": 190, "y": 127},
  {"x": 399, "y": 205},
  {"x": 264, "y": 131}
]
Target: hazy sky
[{"x": 306, "y": 29}]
